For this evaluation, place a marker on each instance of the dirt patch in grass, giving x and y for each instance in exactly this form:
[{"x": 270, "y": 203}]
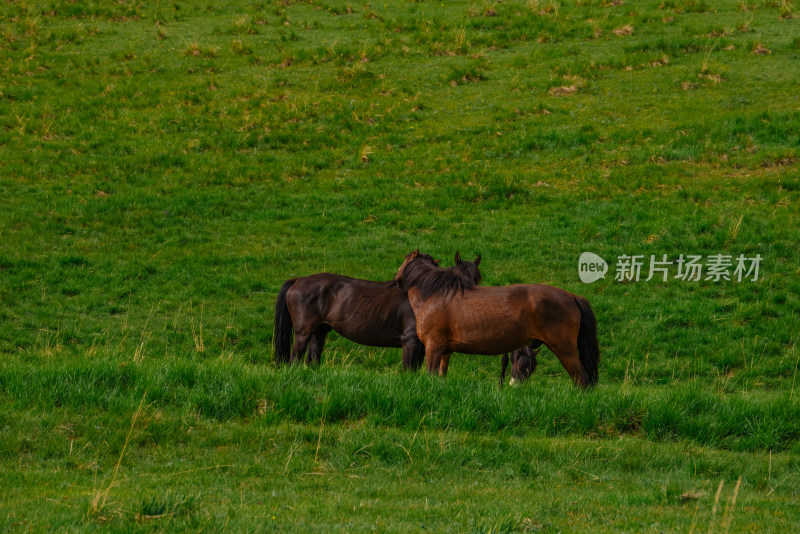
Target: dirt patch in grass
[{"x": 563, "y": 90}]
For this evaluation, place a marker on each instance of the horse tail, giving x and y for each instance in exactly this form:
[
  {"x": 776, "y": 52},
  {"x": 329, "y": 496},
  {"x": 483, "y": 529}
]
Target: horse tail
[
  {"x": 588, "y": 350},
  {"x": 282, "y": 338}
]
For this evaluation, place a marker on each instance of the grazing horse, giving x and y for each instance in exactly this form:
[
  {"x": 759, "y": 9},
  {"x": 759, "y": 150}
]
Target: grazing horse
[
  {"x": 456, "y": 317},
  {"x": 523, "y": 363},
  {"x": 366, "y": 312}
]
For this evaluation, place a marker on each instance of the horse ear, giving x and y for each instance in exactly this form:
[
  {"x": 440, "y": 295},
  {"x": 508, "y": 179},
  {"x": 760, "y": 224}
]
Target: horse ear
[
  {"x": 436, "y": 262},
  {"x": 458, "y": 258},
  {"x": 415, "y": 253},
  {"x": 478, "y": 260}
]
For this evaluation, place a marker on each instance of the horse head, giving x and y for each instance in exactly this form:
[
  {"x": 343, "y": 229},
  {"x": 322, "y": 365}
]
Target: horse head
[
  {"x": 523, "y": 363},
  {"x": 467, "y": 270}
]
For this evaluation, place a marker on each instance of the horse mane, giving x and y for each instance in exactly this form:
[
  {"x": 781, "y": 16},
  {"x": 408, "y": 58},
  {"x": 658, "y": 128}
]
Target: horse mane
[
  {"x": 431, "y": 280},
  {"x": 427, "y": 258}
]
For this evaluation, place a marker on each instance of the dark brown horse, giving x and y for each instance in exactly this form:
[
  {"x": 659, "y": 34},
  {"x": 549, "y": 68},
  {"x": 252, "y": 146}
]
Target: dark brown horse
[
  {"x": 370, "y": 313},
  {"x": 453, "y": 317},
  {"x": 523, "y": 363}
]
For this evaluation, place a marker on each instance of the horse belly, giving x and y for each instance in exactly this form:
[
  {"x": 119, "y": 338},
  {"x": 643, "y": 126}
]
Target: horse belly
[
  {"x": 489, "y": 346},
  {"x": 372, "y": 338},
  {"x": 486, "y": 330},
  {"x": 370, "y": 331}
]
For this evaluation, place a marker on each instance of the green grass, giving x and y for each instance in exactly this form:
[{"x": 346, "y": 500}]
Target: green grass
[{"x": 167, "y": 166}]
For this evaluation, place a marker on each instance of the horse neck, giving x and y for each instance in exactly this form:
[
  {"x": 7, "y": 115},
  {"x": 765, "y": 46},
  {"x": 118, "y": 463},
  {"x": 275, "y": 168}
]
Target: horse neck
[{"x": 415, "y": 299}]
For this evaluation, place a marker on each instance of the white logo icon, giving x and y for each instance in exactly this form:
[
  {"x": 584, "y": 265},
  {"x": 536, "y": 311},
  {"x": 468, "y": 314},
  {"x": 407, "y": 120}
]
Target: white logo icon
[{"x": 591, "y": 267}]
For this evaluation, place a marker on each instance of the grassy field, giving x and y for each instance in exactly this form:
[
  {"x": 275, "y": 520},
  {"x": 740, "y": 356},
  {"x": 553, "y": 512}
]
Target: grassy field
[{"x": 166, "y": 166}]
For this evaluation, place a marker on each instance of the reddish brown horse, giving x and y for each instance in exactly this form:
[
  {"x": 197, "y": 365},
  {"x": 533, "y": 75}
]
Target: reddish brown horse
[
  {"x": 366, "y": 312},
  {"x": 452, "y": 317}
]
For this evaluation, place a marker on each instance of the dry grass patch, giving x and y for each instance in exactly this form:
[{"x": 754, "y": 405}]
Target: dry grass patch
[
  {"x": 661, "y": 62},
  {"x": 563, "y": 90},
  {"x": 623, "y": 31}
]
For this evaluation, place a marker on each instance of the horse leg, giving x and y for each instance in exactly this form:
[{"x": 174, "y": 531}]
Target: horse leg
[
  {"x": 408, "y": 356},
  {"x": 567, "y": 353},
  {"x": 299, "y": 347},
  {"x": 444, "y": 363},
  {"x": 433, "y": 356},
  {"x": 413, "y": 351},
  {"x": 301, "y": 338},
  {"x": 503, "y": 366},
  {"x": 316, "y": 344}
]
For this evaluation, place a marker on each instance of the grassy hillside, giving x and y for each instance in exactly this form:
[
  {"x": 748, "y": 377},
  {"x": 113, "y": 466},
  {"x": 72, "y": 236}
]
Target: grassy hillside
[{"x": 166, "y": 166}]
